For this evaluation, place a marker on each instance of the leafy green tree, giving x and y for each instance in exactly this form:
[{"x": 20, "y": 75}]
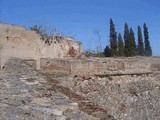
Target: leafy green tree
[
  {"x": 140, "y": 42},
  {"x": 120, "y": 45},
  {"x": 113, "y": 39},
  {"x": 126, "y": 40},
  {"x": 148, "y": 49},
  {"x": 133, "y": 49}
]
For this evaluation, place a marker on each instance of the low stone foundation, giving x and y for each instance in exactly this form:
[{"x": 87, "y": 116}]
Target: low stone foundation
[{"x": 102, "y": 66}]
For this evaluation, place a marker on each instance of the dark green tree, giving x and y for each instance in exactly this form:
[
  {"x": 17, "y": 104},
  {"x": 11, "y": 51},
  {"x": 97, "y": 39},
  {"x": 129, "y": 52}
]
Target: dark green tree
[
  {"x": 132, "y": 42},
  {"x": 126, "y": 40},
  {"x": 148, "y": 49},
  {"x": 107, "y": 51},
  {"x": 120, "y": 45},
  {"x": 140, "y": 42},
  {"x": 113, "y": 39},
  {"x": 126, "y": 32}
]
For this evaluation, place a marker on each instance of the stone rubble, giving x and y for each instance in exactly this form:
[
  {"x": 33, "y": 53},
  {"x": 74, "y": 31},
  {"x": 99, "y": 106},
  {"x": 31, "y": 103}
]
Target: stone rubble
[
  {"x": 25, "y": 95},
  {"x": 124, "y": 97}
]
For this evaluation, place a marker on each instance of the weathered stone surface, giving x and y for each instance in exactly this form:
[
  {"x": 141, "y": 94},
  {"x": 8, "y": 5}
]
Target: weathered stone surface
[
  {"x": 18, "y": 42},
  {"x": 25, "y": 95},
  {"x": 124, "y": 97},
  {"x": 102, "y": 66}
]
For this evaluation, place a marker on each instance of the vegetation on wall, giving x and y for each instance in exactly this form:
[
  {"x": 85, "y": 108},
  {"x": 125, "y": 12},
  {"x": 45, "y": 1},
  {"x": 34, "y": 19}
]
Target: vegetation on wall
[
  {"x": 39, "y": 29},
  {"x": 118, "y": 45}
]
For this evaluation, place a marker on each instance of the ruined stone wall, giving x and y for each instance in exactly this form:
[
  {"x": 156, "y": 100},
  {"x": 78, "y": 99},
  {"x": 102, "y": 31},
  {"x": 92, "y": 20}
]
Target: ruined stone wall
[
  {"x": 112, "y": 88},
  {"x": 124, "y": 97},
  {"x": 16, "y": 41},
  {"x": 60, "y": 48},
  {"x": 55, "y": 66},
  {"x": 106, "y": 66}
]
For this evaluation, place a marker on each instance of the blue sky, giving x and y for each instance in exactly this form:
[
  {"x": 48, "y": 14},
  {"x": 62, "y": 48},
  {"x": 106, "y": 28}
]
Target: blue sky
[{"x": 81, "y": 18}]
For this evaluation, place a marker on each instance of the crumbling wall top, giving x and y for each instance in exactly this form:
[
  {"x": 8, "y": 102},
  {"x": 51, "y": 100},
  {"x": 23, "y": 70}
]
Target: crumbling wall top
[
  {"x": 66, "y": 38},
  {"x": 11, "y": 26}
]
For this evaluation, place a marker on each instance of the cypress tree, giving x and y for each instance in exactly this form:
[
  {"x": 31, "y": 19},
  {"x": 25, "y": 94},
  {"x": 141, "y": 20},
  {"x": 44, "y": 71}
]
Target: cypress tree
[
  {"x": 133, "y": 49},
  {"x": 126, "y": 32},
  {"x": 107, "y": 51},
  {"x": 113, "y": 39},
  {"x": 140, "y": 42},
  {"x": 126, "y": 40},
  {"x": 148, "y": 49},
  {"x": 120, "y": 45}
]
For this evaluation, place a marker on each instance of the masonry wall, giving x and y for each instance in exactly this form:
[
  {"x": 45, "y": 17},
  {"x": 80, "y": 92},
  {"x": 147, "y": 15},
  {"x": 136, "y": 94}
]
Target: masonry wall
[
  {"x": 106, "y": 66},
  {"x": 55, "y": 66},
  {"x": 17, "y": 42}
]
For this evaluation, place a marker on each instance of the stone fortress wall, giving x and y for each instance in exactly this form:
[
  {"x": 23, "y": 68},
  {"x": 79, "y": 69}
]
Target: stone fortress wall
[
  {"x": 16, "y": 41},
  {"x": 102, "y": 66},
  {"x": 126, "y": 88},
  {"x": 118, "y": 88}
]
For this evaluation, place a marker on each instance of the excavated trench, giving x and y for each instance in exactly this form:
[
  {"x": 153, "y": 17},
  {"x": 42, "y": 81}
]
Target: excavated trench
[{"x": 88, "y": 107}]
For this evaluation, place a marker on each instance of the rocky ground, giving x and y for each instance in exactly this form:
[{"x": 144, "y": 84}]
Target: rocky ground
[
  {"x": 126, "y": 97},
  {"x": 27, "y": 95}
]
